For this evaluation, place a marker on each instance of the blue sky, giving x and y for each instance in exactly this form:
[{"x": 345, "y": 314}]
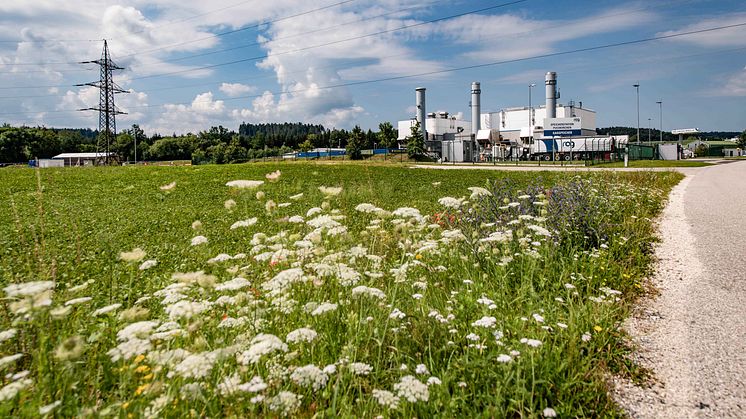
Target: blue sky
[{"x": 180, "y": 80}]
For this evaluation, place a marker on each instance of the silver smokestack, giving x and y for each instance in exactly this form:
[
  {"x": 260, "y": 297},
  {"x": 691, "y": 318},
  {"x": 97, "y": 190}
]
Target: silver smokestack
[
  {"x": 421, "y": 113},
  {"x": 476, "y": 106},
  {"x": 551, "y": 85}
]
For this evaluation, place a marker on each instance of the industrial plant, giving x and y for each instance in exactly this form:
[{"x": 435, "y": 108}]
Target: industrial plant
[{"x": 550, "y": 132}]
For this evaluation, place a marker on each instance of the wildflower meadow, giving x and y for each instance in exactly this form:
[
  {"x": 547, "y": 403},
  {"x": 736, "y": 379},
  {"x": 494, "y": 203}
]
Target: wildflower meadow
[{"x": 303, "y": 290}]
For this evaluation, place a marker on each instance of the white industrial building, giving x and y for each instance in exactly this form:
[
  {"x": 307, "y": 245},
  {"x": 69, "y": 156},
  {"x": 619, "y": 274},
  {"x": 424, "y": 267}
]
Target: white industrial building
[{"x": 551, "y": 131}]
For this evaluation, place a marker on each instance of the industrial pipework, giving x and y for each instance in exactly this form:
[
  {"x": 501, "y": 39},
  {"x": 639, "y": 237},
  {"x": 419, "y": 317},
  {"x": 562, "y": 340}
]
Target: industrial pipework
[
  {"x": 551, "y": 86},
  {"x": 476, "y": 93},
  {"x": 421, "y": 114}
]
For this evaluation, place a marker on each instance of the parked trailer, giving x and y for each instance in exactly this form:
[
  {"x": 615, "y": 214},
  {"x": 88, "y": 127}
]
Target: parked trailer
[{"x": 575, "y": 148}]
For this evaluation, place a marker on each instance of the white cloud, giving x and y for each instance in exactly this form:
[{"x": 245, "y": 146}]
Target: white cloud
[
  {"x": 731, "y": 37},
  {"x": 236, "y": 89}
]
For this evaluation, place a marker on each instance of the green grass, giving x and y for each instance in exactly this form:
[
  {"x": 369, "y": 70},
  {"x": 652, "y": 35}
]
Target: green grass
[
  {"x": 70, "y": 226},
  {"x": 656, "y": 163}
]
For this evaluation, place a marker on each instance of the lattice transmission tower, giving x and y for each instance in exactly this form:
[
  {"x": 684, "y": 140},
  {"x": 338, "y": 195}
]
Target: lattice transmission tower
[{"x": 107, "y": 125}]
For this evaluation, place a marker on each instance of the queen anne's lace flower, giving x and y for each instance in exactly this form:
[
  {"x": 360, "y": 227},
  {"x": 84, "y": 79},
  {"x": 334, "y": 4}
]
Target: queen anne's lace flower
[
  {"x": 310, "y": 376},
  {"x": 412, "y": 389}
]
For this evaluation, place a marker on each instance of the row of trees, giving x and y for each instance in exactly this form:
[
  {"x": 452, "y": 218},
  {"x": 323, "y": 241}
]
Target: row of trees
[{"x": 216, "y": 145}]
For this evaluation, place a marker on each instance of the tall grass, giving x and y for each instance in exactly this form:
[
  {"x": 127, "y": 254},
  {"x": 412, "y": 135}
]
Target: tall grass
[{"x": 523, "y": 325}]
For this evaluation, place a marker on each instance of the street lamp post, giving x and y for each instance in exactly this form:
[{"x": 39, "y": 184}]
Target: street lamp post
[
  {"x": 530, "y": 116},
  {"x": 134, "y": 133},
  {"x": 649, "y": 119},
  {"x": 637, "y": 87},
  {"x": 660, "y": 103}
]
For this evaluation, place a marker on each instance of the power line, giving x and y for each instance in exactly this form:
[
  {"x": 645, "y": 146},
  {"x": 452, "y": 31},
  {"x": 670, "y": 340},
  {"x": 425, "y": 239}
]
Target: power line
[
  {"x": 453, "y": 69},
  {"x": 339, "y": 41},
  {"x": 257, "y": 25}
]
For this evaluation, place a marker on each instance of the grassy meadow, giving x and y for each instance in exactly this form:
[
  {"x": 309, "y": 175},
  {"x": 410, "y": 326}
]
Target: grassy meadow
[{"x": 327, "y": 290}]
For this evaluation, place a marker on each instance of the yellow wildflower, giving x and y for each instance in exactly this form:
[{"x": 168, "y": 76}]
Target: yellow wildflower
[
  {"x": 139, "y": 358},
  {"x": 597, "y": 328},
  {"x": 141, "y": 389},
  {"x": 142, "y": 368}
]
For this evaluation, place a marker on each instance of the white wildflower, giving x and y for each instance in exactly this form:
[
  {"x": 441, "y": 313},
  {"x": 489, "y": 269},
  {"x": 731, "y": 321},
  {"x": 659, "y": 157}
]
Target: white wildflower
[
  {"x": 195, "y": 366},
  {"x": 586, "y": 337},
  {"x": 45, "y": 410},
  {"x": 412, "y": 389},
  {"x": 107, "y": 309},
  {"x": 186, "y": 309},
  {"x": 254, "y": 385},
  {"x": 296, "y": 219},
  {"x": 80, "y": 300},
  {"x": 244, "y": 223},
  {"x": 6, "y": 360},
  {"x": 245, "y": 184},
  {"x": 323, "y": 308},
  {"x": 169, "y": 186},
  {"x": 330, "y": 191},
  {"x": 196, "y": 225},
  {"x": 476, "y": 192},
  {"x": 196, "y": 241},
  {"x": 386, "y": 398},
  {"x": 502, "y": 358},
  {"x": 233, "y": 285},
  {"x": 274, "y": 176},
  {"x": 296, "y": 197},
  {"x": 148, "y": 264},
  {"x": 8, "y": 334},
  {"x": 262, "y": 344},
  {"x": 434, "y": 381},
  {"x": 549, "y": 413},
  {"x": 562, "y": 325},
  {"x": 129, "y": 349},
  {"x": 310, "y": 376},
  {"x": 11, "y": 390},
  {"x": 421, "y": 369},
  {"x": 135, "y": 255},
  {"x": 284, "y": 403},
  {"x": 301, "y": 335},
  {"x": 229, "y": 204},
  {"x": 137, "y": 330},
  {"x": 473, "y": 337},
  {"x": 372, "y": 292},
  {"x": 397, "y": 314},
  {"x": 531, "y": 342},
  {"x": 450, "y": 202},
  {"x": 360, "y": 368},
  {"x": 538, "y": 318},
  {"x": 540, "y": 230},
  {"x": 486, "y": 321}
]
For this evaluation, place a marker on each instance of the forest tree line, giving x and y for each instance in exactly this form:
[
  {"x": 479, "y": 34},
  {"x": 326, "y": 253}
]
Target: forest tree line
[{"x": 216, "y": 145}]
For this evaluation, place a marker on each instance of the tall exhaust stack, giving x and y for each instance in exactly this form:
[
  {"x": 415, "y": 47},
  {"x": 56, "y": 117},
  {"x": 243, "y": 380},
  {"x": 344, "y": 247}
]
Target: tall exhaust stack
[
  {"x": 421, "y": 113},
  {"x": 551, "y": 85},
  {"x": 476, "y": 108}
]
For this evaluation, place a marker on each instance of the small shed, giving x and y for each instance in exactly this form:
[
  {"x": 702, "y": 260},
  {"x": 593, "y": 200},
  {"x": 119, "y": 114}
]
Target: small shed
[
  {"x": 82, "y": 159},
  {"x": 732, "y": 152}
]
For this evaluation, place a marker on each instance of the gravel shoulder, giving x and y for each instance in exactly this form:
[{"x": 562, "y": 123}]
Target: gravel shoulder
[{"x": 693, "y": 334}]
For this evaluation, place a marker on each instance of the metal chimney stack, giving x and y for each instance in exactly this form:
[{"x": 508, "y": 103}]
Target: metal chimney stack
[
  {"x": 551, "y": 85},
  {"x": 421, "y": 113},
  {"x": 476, "y": 108}
]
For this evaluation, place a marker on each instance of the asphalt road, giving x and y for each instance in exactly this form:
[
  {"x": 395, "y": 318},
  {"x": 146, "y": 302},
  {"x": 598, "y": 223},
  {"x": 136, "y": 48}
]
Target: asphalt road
[{"x": 693, "y": 335}]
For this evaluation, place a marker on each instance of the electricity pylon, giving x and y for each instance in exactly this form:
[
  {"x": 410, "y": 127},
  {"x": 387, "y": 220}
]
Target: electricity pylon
[{"x": 107, "y": 126}]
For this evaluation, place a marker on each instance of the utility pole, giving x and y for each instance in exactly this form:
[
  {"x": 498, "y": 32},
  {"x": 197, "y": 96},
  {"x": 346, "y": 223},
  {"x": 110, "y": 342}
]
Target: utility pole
[
  {"x": 637, "y": 86},
  {"x": 107, "y": 126},
  {"x": 649, "y": 143},
  {"x": 134, "y": 134},
  {"x": 530, "y": 116},
  {"x": 660, "y": 103}
]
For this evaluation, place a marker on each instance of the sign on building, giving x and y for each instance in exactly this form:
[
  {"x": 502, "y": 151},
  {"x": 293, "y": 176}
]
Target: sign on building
[{"x": 562, "y": 127}]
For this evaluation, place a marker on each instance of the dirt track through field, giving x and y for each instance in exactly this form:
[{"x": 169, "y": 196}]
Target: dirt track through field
[{"x": 693, "y": 335}]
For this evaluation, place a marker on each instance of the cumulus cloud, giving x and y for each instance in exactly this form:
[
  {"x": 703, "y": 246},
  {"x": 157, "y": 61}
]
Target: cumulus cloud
[{"x": 235, "y": 89}]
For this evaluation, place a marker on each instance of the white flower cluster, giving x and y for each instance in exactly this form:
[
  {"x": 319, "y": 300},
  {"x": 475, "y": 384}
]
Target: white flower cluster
[
  {"x": 301, "y": 335},
  {"x": 262, "y": 344},
  {"x": 284, "y": 403},
  {"x": 310, "y": 376},
  {"x": 245, "y": 184},
  {"x": 372, "y": 292},
  {"x": 323, "y": 308},
  {"x": 360, "y": 368},
  {"x": 412, "y": 389},
  {"x": 386, "y": 398}
]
